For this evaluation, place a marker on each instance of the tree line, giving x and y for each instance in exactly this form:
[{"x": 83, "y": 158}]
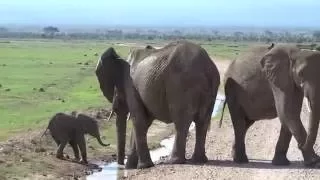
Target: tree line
[{"x": 51, "y": 32}]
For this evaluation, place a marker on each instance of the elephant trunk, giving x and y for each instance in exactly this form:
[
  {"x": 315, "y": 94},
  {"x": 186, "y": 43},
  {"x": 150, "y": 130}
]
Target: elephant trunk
[{"x": 121, "y": 124}]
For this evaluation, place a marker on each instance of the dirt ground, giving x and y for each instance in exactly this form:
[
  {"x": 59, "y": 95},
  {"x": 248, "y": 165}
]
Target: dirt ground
[
  {"x": 28, "y": 156},
  {"x": 260, "y": 144}
]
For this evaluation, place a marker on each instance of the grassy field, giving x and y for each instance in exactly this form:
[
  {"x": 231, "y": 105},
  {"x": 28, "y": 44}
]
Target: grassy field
[{"x": 65, "y": 71}]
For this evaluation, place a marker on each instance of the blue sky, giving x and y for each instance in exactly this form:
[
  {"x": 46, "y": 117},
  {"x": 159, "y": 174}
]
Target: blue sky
[{"x": 162, "y": 13}]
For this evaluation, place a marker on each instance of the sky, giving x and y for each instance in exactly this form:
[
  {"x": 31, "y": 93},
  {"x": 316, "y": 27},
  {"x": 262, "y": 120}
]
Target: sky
[{"x": 279, "y": 13}]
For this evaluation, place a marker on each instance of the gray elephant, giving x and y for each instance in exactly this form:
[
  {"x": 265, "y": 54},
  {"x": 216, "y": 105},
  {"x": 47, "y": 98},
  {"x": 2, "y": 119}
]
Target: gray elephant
[
  {"x": 71, "y": 129},
  {"x": 175, "y": 84},
  {"x": 268, "y": 82}
]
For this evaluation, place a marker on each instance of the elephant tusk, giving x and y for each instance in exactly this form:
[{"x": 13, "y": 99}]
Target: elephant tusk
[
  {"x": 128, "y": 117},
  {"x": 110, "y": 116},
  {"x": 308, "y": 105}
]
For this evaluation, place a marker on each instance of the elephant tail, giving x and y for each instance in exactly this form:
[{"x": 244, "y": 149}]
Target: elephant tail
[
  {"x": 221, "y": 118},
  {"x": 44, "y": 132},
  {"x": 49, "y": 125},
  {"x": 226, "y": 88}
]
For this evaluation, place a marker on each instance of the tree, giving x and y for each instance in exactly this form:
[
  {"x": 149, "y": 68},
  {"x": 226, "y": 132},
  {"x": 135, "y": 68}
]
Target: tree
[
  {"x": 3, "y": 29},
  {"x": 50, "y": 30},
  {"x": 238, "y": 35},
  {"x": 268, "y": 33},
  {"x": 316, "y": 35}
]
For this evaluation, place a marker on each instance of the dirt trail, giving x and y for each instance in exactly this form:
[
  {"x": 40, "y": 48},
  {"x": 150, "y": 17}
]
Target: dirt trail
[{"x": 261, "y": 140}]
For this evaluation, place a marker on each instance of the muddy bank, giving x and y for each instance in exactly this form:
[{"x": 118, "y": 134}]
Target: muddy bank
[{"x": 25, "y": 156}]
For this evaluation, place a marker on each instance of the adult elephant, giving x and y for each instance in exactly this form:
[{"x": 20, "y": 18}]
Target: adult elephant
[
  {"x": 268, "y": 82},
  {"x": 177, "y": 83}
]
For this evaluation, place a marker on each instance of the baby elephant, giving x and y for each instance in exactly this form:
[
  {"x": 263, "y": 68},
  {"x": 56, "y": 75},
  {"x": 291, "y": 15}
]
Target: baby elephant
[{"x": 71, "y": 129}]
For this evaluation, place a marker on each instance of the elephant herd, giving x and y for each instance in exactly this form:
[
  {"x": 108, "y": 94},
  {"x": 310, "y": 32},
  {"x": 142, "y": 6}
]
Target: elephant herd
[{"x": 179, "y": 83}]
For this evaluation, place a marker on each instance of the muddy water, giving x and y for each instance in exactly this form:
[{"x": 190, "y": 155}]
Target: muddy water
[{"x": 111, "y": 171}]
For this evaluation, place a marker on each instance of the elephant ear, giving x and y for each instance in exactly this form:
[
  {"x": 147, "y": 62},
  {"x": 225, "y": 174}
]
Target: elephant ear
[
  {"x": 276, "y": 67},
  {"x": 110, "y": 72},
  {"x": 109, "y": 55}
]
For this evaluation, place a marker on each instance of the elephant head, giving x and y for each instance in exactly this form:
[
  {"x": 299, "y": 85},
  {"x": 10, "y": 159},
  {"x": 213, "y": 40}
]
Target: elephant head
[
  {"x": 90, "y": 126},
  {"x": 113, "y": 74},
  {"x": 292, "y": 73}
]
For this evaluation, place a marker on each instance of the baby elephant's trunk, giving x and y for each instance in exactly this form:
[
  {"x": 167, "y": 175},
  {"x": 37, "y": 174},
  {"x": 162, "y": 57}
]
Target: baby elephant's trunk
[{"x": 100, "y": 141}]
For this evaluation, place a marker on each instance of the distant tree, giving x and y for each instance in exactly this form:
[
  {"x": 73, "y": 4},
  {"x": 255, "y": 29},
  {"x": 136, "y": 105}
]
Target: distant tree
[
  {"x": 215, "y": 32},
  {"x": 268, "y": 33},
  {"x": 3, "y": 29},
  {"x": 150, "y": 37},
  {"x": 316, "y": 35},
  {"x": 177, "y": 32},
  {"x": 50, "y": 30},
  {"x": 238, "y": 35}
]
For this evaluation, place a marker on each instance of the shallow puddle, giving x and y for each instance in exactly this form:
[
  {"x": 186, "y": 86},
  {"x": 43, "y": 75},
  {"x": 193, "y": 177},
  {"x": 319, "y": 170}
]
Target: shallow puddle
[{"x": 111, "y": 171}]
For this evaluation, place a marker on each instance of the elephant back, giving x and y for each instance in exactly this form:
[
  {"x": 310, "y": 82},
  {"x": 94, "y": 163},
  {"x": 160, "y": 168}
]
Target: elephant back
[{"x": 61, "y": 121}]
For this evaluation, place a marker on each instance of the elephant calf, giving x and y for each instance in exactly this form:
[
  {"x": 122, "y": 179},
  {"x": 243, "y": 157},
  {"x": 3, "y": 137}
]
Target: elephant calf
[{"x": 71, "y": 129}]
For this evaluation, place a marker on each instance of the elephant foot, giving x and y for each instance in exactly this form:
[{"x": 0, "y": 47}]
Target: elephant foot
[
  {"x": 144, "y": 165},
  {"x": 199, "y": 158},
  {"x": 239, "y": 154},
  {"x": 121, "y": 162},
  {"x": 240, "y": 158},
  {"x": 314, "y": 162},
  {"x": 132, "y": 162},
  {"x": 60, "y": 156},
  {"x": 130, "y": 165},
  {"x": 83, "y": 161},
  {"x": 176, "y": 160},
  {"x": 75, "y": 159},
  {"x": 280, "y": 160}
]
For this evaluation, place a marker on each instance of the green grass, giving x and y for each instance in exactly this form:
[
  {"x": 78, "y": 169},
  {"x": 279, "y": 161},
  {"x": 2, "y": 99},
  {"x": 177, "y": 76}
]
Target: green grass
[
  {"x": 224, "y": 50},
  {"x": 26, "y": 66}
]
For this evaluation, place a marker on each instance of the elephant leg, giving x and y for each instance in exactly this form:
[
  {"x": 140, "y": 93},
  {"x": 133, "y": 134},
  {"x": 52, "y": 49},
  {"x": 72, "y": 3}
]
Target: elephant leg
[
  {"x": 280, "y": 156},
  {"x": 199, "y": 154},
  {"x": 179, "y": 147},
  {"x": 240, "y": 126},
  {"x": 56, "y": 140},
  {"x": 140, "y": 146},
  {"x": 310, "y": 157},
  {"x": 75, "y": 149},
  {"x": 82, "y": 146},
  {"x": 288, "y": 110},
  {"x": 132, "y": 160},
  {"x": 61, "y": 147},
  {"x": 297, "y": 130}
]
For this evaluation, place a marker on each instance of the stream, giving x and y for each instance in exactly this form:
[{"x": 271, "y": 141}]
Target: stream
[{"x": 112, "y": 170}]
